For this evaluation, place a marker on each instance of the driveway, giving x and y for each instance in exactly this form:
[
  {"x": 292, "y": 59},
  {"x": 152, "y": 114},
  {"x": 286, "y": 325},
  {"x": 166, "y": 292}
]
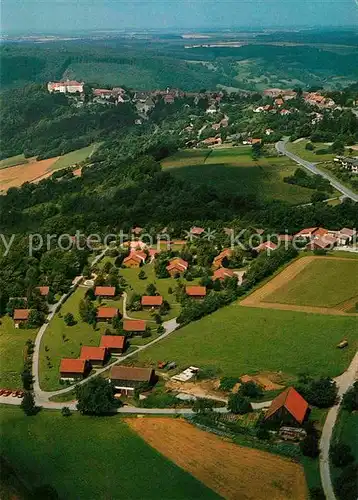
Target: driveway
[{"x": 281, "y": 148}]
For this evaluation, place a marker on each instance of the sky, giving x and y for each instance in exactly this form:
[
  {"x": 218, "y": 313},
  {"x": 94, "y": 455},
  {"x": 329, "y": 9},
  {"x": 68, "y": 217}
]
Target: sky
[{"x": 41, "y": 16}]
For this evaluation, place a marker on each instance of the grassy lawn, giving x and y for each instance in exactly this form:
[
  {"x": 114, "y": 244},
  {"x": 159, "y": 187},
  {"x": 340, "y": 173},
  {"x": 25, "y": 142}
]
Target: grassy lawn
[
  {"x": 323, "y": 283},
  {"x": 13, "y": 161},
  {"x": 233, "y": 170},
  {"x": 75, "y": 336},
  {"x": 12, "y": 348},
  {"x": 239, "y": 340},
  {"x": 91, "y": 457},
  {"x": 74, "y": 157},
  {"x": 162, "y": 285},
  {"x": 299, "y": 149}
]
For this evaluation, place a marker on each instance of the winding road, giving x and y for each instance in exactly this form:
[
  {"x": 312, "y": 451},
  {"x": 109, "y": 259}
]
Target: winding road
[{"x": 281, "y": 148}]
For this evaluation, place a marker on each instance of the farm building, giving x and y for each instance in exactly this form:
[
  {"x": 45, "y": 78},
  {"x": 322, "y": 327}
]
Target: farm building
[
  {"x": 114, "y": 343},
  {"x": 20, "y": 315},
  {"x": 134, "y": 325},
  {"x": 127, "y": 378},
  {"x": 311, "y": 232},
  {"x": 195, "y": 292},
  {"x": 222, "y": 273},
  {"x": 135, "y": 259},
  {"x": 106, "y": 313},
  {"x": 289, "y": 407},
  {"x": 68, "y": 86},
  {"x": 137, "y": 230},
  {"x": 322, "y": 243},
  {"x": 105, "y": 291},
  {"x": 177, "y": 266},
  {"x": 197, "y": 231},
  {"x": 150, "y": 301},
  {"x": 346, "y": 235},
  {"x": 43, "y": 290},
  {"x": 74, "y": 369},
  {"x": 95, "y": 355}
]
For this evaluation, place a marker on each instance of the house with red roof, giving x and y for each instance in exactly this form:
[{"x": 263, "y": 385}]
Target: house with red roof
[
  {"x": 177, "y": 266},
  {"x": 114, "y": 343},
  {"x": 224, "y": 254},
  {"x": 195, "y": 291},
  {"x": 289, "y": 408},
  {"x": 346, "y": 235},
  {"x": 106, "y": 313},
  {"x": 266, "y": 246},
  {"x": 151, "y": 301},
  {"x": 137, "y": 230},
  {"x": 135, "y": 259},
  {"x": 95, "y": 355},
  {"x": 197, "y": 231},
  {"x": 222, "y": 273},
  {"x": 134, "y": 326},
  {"x": 74, "y": 369},
  {"x": 105, "y": 291},
  {"x": 44, "y": 290},
  {"x": 20, "y": 316},
  {"x": 322, "y": 243}
]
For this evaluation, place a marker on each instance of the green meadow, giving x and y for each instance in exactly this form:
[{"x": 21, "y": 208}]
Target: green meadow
[
  {"x": 91, "y": 457},
  {"x": 237, "y": 340},
  {"x": 233, "y": 170}
]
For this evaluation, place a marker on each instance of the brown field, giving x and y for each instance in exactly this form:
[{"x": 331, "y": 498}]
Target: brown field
[
  {"x": 26, "y": 172},
  {"x": 259, "y": 298},
  {"x": 234, "y": 472}
]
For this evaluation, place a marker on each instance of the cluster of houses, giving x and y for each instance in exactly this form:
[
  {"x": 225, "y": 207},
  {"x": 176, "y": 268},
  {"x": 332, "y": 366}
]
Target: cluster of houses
[
  {"x": 348, "y": 163},
  {"x": 312, "y": 98},
  {"x": 22, "y": 315},
  {"x": 319, "y": 238}
]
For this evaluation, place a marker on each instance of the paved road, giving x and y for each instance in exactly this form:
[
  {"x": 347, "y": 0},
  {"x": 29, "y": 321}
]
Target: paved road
[
  {"x": 281, "y": 148},
  {"x": 344, "y": 382}
]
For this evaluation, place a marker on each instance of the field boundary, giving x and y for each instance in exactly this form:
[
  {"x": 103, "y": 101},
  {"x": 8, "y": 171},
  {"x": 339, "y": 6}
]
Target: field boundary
[{"x": 257, "y": 298}]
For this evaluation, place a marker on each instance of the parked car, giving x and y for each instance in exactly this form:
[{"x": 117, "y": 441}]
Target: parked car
[
  {"x": 6, "y": 393},
  {"x": 171, "y": 365},
  {"x": 2, "y": 391}
]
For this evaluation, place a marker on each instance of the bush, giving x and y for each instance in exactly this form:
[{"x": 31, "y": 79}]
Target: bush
[
  {"x": 142, "y": 275},
  {"x": 346, "y": 485},
  {"x": 341, "y": 455},
  {"x": 263, "y": 433},
  {"x": 350, "y": 399},
  {"x": 310, "y": 446},
  {"x": 228, "y": 383},
  {"x": 317, "y": 493},
  {"x": 250, "y": 390},
  {"x": 238, "y": 404},
  {"x": 321, "y": 392},
  {"x": 69, "y": 319},
  {"x": 66, "y": 412}
]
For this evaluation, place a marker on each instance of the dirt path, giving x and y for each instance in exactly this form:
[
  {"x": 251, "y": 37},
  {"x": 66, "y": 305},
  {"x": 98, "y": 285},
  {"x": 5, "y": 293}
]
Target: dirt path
[
  {"x": 234, "y": 472},
  {"x": 257, "y": 298}
]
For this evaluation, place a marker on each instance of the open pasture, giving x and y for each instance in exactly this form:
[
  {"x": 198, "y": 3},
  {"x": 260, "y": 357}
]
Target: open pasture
[
  {"x": 326, "y": 285},
  {"x": 230, "y": 470},
  {"x": 233, "y": 170},
  {"x": 237, "y": 340}
]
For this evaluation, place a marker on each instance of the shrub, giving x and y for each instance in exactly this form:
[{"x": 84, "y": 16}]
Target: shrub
[
  {"x": 69, "y": 319},
  {"x": 346, "y": 485},
  {"x": 341, "y": 454},
  {"x": 228, "y": 383},
  {"x": 66, "y": 412},
  {"x": 350, "y": 399},
  {"x": 238, "y": 404},
  {"x": 250, "y": 390},
  {"x": 310, "y": 446}
]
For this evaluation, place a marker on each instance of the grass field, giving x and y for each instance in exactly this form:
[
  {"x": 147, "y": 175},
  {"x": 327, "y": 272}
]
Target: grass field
[
  {"x": 239, "y": 340},
  {"x": 13, "y": 161},
  {"x": 12, "y": 349},
  {"x": 322, "y": 283},
  {"x": 74, "y": 157},
  {"x": 70, "y": 346},
  {"x": 91, "y": 457},
  {"x": 233, "y": 170},
  {"x": 299, "y": 149},
  {"x": 234, "y": 472}
]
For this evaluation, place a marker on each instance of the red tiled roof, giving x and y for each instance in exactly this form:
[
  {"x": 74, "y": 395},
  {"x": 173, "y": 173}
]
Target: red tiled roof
[
  {"x": 177, "y": 263},
  {"x": 134, "y": 325},
  {"x": 307, "y": 231},
  {"x": 152, "y": 300},
  {"x": 44, "y": 290},
  {"x": 195, "y": 291},
  {"x": 21, "y": 314},
  {"x": 197, "y": 230},
  {"x": 107, "y": 312},
  {"x": 137, "y": 255},
  {"x": 105, "y": 291},
  {"x": 321, "y": 231},
  {"x": 137, "y": 230},
  {"x": 93, "y": 353},
  {"x": 227, "y": 252},
  {"x": 222, "y": 273},
  {"x": 113, "y": 341},
  {"x": 292, "y": 401},
  {"x": 69, "y": 365},
  {"x": 267, "y": 245},
  {"x": 285, "y": 237}
]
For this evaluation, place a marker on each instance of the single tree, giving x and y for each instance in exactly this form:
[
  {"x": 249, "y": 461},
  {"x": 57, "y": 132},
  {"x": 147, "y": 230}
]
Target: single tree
[
  {"x": 69, "y": 319},
  {"x": 239, "y": 404},
  {"x": 28, "y": 404},
  {"x": 95, "y": 397},
  {"x": 341, "y": 454}
]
